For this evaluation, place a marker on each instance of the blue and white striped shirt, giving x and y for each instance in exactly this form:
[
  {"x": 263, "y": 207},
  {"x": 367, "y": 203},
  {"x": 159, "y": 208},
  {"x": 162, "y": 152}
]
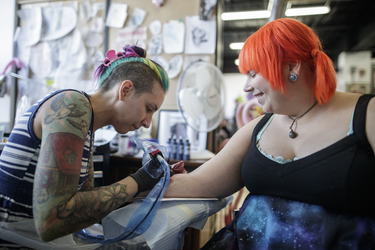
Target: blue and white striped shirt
[{"x": 18, "y": 162}]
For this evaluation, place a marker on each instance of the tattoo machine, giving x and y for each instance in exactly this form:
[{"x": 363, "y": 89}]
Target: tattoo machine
[{"x": 152, "y": 157}]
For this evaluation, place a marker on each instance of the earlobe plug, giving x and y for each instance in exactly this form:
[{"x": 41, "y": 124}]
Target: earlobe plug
[{"x": 293, "y": 77}]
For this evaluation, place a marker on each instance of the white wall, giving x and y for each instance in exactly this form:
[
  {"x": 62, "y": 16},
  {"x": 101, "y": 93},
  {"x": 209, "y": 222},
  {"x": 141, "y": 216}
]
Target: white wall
[
  {"x": 7, "y": 27},
  {"x": 234, "y": 83}
]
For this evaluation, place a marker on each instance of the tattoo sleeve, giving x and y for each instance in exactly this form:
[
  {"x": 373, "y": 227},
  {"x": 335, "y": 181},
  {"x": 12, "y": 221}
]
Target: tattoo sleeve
[{"x": 59, "y": 209}]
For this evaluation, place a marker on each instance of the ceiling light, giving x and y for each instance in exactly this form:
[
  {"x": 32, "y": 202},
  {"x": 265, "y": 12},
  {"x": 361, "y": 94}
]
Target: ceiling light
[
  {"x": 237, "y": 62},
  {"x": 227, "y": 16},
  {"x": 236, "y": 46},
  {"x": 307, "y": 11}
]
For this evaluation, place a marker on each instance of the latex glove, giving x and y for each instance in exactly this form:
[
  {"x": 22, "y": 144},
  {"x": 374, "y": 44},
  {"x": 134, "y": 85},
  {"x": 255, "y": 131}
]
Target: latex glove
[{"x": 144, "y": 180}]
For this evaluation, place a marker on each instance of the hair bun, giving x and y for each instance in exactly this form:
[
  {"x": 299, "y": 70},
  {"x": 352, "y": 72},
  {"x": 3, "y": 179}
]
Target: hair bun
[
  {"x": 134, "y": 51},
  {"x": 314, "y": 52}
]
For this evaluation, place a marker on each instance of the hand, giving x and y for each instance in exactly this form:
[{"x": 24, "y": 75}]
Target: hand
[
  {"x": 179, "y": 168},
  {"x": 144, "y": 180}
]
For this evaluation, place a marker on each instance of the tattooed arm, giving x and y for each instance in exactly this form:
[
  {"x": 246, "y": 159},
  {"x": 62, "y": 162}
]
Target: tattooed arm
[{"x": 57, "y": 206}]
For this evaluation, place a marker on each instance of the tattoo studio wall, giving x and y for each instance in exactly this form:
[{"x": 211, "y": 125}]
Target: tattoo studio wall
[{"x": 62, "y": 42}]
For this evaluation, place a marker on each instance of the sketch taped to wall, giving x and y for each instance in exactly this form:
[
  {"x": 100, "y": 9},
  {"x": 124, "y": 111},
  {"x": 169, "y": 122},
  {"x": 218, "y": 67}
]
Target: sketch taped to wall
[
  {"x": 200, "y": 36},
  {"x": 173, "y": 36}
]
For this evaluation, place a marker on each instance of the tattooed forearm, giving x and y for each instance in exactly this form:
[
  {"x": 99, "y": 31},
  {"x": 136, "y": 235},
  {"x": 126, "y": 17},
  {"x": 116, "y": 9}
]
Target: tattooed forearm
[
  {"x": 87, "y": 208},
  {"x": 93, "y": 205}
]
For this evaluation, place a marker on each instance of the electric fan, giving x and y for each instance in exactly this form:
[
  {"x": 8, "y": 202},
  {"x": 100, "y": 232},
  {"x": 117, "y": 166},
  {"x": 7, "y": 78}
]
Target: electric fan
[{"x": 201, "y": 96}]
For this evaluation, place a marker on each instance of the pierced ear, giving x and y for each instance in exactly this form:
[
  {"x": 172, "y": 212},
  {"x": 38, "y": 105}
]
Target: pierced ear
[
  {"x": 295, "y": 68},
  {"x": 125, "y": 88}
]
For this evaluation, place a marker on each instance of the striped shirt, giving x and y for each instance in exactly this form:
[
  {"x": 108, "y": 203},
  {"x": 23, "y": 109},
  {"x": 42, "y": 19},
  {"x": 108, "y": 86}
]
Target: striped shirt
[{"x": 18, "y": 162}]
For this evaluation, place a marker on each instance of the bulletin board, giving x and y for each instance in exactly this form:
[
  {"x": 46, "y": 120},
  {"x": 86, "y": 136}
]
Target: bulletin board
[
  {"x": 60, "y": 43},
  {"x": 177, "y": 20}
]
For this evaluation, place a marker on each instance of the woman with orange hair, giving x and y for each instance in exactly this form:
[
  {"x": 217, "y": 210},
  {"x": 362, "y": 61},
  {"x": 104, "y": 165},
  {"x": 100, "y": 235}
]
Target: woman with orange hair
[{"x": 308, "y": 163}]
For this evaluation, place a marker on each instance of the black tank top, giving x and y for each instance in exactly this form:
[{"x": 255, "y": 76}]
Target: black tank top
[{"x": 340, "y": 177}]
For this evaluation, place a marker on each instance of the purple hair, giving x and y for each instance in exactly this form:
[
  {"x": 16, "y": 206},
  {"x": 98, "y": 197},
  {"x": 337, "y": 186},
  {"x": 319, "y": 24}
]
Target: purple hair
[{"x": 129, "y": 51}]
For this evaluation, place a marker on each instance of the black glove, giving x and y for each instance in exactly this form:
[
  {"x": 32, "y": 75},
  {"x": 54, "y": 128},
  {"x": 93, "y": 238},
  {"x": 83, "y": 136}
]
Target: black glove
[{"x": 144, "y": 180}]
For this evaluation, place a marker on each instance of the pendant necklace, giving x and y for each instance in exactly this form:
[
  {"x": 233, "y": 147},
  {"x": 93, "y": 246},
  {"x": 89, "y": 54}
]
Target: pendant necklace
[{"x": 293, "y": 134}]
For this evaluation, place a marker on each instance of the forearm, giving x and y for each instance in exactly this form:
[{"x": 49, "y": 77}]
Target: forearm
[{"x": 83, "y": 209}]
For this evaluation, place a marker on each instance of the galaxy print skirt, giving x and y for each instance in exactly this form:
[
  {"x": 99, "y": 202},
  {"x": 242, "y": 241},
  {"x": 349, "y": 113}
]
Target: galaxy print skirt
[{"x": 266, "y": 222}]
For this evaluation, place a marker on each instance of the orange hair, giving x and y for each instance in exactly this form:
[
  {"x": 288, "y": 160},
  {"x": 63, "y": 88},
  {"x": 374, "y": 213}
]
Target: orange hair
[{"x": 287, "y": 40}]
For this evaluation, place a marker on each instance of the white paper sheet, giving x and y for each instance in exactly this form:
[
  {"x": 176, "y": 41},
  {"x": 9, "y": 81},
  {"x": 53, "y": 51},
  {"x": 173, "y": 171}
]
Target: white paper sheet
[
  {"x": 96, "y": 7},
  {"x": 97, "y": 25},
  {"x": 70, "y": 73},
  {"x": 175, "y": 66},
  {"x": 85, "y": 11},
  {"x": 136, "y": 19},
  {"x": 173, "y": 36},
  {"x": 155, "y": 47},
  {"x": 40, "y": 59},
  {"x": 200, "y": 36},
  {"x": 206, "y": 9},
  {"x": 58, "y": 21},
  {"x": 126, "y": 36},
  {"x": 155, "y": 27},
  {"x": 117, "y": 14},
  {"x": 31, "y": 30},
  {"x": 94, "y": 39}
]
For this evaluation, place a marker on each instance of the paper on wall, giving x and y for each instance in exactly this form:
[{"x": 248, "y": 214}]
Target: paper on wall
[
  {"x": 200, "y": 36},
  {"x": 98, "y": 6},
  {"x": 58, "y": 21},
  {"x": 173, "y": 36},
  {"x": 117, "y": 14},
  {"x": 128, "y": 34},
  {"x": 72, "y": 69},
  {"x": 85, "y": 11},
  {"x": 97, "y": 25},
  {"x": 155, "y": 46},
  {"x": 136, "y": 19},
  {"x": 155, "y": 27},
  {"x": 206, "y": 9},
  {"x": 40, "y": 59},
  {"x": 94, "y": 39},
  {"x": 30, "y": 32},
  {"x": 175, "y": 66}
]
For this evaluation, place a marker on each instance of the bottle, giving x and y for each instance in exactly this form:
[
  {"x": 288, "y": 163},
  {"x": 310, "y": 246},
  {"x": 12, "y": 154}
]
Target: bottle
[
  {"x": 186, "y": 156},
  {"x": 180, "y": 149},
  {"x": 174, "y": 148},
  {"x": 170, "y": 147}
]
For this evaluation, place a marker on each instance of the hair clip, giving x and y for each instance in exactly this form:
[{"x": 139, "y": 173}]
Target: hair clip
[{"x": 111, "y": 56}]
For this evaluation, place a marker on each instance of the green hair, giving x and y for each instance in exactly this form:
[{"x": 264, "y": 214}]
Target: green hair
[{"x": 156, "y": 68}]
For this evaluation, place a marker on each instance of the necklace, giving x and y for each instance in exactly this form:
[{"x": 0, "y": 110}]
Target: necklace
[{"x": 293, "y": 134}]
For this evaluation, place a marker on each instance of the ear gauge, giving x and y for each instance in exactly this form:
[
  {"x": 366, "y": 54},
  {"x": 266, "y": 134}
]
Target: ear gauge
[{"x": 293, "y": 77}]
